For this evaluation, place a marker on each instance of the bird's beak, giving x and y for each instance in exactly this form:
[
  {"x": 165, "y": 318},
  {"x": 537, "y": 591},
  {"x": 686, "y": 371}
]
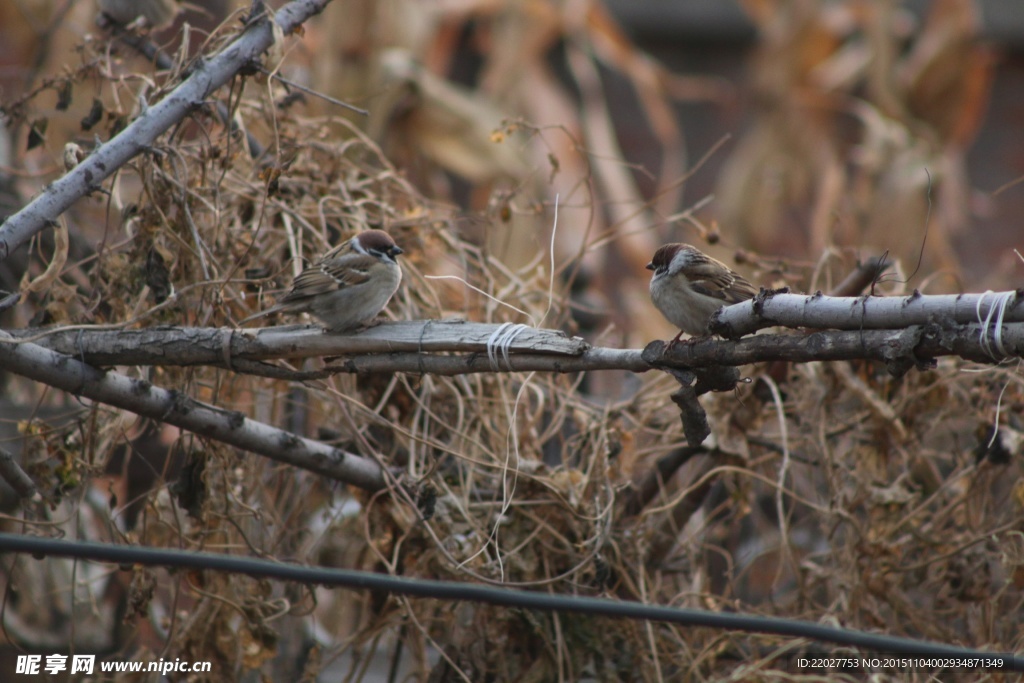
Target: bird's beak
[
  {"x": 649, "y": 266},
  {"x": 395, "y": 251}
]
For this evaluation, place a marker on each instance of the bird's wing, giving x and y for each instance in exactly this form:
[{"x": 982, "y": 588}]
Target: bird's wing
[
  {"x": 715, "y": 279},
  {"x": 331, "y": 274}
]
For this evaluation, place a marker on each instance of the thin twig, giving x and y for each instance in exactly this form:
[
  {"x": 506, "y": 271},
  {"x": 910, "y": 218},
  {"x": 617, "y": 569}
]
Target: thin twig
[{"x": 314, "y": 93}]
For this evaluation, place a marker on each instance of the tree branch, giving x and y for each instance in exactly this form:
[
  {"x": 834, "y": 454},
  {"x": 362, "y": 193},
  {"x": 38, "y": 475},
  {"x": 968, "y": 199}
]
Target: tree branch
[
  {"x": 817, "y": 311},
  {"x": 918, "y": 345},
  {"x": 453, "y": 348},
  {"x": 16, "y": 477},
  {"x": 173, "y": 407},
  {"x": 64, "y": 358},
  {"x": 207, "y": 77},
  {"x": 222, "y": 346}
]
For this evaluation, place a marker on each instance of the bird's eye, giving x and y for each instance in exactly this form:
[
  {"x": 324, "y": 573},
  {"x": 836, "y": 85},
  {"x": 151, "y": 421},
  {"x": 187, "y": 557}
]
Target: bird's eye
[{"x": 386, "y": 254}]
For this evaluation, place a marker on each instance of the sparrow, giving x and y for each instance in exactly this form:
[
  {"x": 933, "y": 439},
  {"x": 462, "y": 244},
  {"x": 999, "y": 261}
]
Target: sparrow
[
  {"x": 348, "y": 285},
  {"x": 688, "y": 287}
]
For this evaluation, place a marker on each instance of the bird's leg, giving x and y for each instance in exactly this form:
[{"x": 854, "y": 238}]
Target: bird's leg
[{"x": 675, "y": 340}]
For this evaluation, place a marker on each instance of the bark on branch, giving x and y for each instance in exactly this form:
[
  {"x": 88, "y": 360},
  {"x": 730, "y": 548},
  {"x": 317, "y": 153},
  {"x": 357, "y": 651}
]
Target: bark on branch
[{"x": 208, "y": 76}]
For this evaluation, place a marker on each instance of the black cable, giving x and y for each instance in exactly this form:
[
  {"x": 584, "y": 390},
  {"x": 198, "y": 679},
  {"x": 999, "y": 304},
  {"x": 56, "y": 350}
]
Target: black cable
[{"x": 451, "y": 590}]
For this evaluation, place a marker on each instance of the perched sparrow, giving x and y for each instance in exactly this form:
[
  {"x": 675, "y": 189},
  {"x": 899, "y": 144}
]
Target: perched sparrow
[
  {"x": 348, "y": 285},
  {"x": 688, "y": 286}
]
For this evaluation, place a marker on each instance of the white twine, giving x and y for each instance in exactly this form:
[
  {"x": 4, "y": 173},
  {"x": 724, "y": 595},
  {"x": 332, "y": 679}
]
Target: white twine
[
  {"x": 994, "y": 319},
  {"x": 501, "y": 341}
]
